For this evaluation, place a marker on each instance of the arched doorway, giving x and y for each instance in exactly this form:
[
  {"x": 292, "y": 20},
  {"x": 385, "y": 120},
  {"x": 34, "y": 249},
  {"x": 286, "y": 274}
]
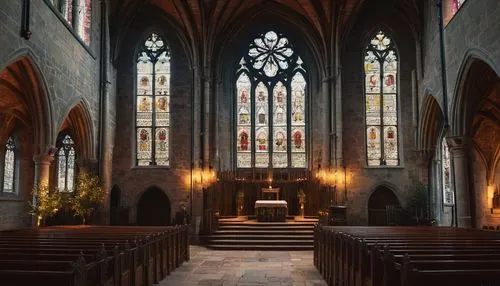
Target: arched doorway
[
  {"x": 381, "y": 206},
  {"x": 153, "y": 208},
  {"x": 476, "y": 131}
]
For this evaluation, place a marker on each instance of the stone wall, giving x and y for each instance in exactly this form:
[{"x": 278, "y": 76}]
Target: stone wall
[
  {"x": 472, "y": 32},
  {"x": 133, "y": 180},
  {"x": 68, "y": 69},
  {"x": 363, "y": 179}
]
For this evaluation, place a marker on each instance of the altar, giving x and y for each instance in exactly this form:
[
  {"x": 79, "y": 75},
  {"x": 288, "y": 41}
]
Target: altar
[{"x": 271, "y": 210}]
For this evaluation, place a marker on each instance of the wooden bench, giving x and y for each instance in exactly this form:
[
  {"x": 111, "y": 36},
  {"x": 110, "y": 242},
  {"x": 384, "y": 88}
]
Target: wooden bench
[
  {"x": 396, "y": 255},
  {"x": 92, "y": 255}
]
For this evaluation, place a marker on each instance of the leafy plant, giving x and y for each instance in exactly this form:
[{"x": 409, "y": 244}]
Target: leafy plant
[
  {"x": 417, "y": 205},
  {"x": 46, "y": 202},
  {"x": 89, "y": 194}
]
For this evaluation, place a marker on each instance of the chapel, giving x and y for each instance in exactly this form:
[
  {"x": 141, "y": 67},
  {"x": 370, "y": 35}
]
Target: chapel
[{"x": 219, "y": 114}]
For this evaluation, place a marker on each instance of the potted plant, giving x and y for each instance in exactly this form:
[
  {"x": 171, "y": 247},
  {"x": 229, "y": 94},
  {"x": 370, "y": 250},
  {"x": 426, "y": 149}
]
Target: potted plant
[
  {"x": 46, "y": 202},
  {"x": 89, "y": 194}
]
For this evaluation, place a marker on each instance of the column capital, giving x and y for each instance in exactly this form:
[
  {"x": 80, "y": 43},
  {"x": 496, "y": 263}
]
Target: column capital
[
  {"x": 458, "y": 145},
  {"x": 45, "y": 156}
]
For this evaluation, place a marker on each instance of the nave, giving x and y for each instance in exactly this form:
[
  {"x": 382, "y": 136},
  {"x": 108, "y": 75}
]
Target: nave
[{"x": 231, "y": 268}]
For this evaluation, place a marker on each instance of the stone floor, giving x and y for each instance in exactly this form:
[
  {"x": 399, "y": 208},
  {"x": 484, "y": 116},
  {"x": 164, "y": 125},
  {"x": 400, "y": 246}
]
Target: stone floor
[{"x": 246, "y": 268}]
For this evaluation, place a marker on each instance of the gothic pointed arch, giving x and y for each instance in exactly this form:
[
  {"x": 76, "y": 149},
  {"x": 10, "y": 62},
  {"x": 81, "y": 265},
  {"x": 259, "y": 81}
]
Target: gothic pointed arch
[
  {"x": 270, "y": 103},
  {"x": 477, "y": 74},
  {"x": 430, "y": 125},
  {"x": 79, "y": 121},
  {"x": 25, "y": 97},
  {"x": 381, "y": 73},
  {"x": 153, "y": 96}
]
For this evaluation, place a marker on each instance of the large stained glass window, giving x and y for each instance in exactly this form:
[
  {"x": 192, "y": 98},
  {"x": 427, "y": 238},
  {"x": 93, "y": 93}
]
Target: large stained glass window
[
  {"x": 153, "y": 102},
  {"x": 270, "y": 105},
  {"x": 66, "y": 159},
  {"x": 9, "y": 166},
  {"x": 381, "y": 97},
  {"x": 446, "y": 173}
]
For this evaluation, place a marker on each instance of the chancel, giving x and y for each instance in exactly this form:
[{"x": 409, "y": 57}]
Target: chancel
[{"x": 360, "y": 137}]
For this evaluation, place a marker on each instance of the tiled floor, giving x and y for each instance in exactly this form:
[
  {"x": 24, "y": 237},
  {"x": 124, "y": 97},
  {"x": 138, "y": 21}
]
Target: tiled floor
[{"x": 246, "y": 268}]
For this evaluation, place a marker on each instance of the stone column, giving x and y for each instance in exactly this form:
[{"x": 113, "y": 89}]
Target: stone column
[
  {"x": 42, "y": 167},
  {"x": 459, "y": 154},
  {"x": 42, "y": 173},
  {"x": 2, "y": 165}
]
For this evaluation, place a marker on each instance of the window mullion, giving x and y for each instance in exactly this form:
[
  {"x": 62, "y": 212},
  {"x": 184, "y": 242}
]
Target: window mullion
[
  {"x": 153, "y": 116},
  {"x": 289, "y": 122},
  {"x": 66, "y": 168},
  {"x": 382, "y": 123},
  {"x": 270, "y": 102},
  {"x": 253, "y": 132}
]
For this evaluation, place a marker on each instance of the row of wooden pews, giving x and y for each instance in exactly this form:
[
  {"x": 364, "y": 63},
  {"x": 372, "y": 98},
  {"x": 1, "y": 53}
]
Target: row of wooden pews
[
  {"x": 91, "y": 255},
  {"x": 407, "y": 256}
]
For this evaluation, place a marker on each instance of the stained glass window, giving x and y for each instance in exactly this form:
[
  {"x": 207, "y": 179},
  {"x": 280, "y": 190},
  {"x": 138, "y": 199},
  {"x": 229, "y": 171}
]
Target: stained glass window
[
  {"x": 66, "y": 165},
  {"x": 270, "y": 105},
  {"x": 153, "y": 102},
  {"x": 78, "y": 14},
  {"x": 446, "y": 173},
  {"x": 9, "y": 166},
  {"x": 381, "y": 79},
  {"x": 83, "y": 12}
]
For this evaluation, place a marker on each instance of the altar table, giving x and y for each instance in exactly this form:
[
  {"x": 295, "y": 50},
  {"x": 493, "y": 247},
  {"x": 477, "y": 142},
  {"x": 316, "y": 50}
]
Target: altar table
[{"x": 271, "y": 210}]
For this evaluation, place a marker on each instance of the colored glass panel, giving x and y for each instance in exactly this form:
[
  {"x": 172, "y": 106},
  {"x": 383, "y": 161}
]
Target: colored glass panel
[
  {"x": 381, "y": 113},
  {"x": 66, "y": 164},
  {"x": 270, "y": 104},
  {"x": 153, "y": 102},
  {"x": 9, "y": 166},
  {"x": 448, "y": 198}
]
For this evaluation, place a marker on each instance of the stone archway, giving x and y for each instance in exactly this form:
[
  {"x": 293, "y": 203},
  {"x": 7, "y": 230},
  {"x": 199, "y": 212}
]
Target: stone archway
[
  {"x": 380, "y": 204},
  {"x": 25, "y": 114},
  {"x": 475, "y": 143},
  {"x": 153, "y": 208}
]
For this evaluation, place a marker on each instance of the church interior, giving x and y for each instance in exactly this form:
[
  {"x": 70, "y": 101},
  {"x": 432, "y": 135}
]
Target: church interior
[{"x": 256, "y": 125}]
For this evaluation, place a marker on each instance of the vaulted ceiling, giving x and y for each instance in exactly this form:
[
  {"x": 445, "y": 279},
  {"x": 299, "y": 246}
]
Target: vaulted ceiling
[{"x": 205, "y": 21}]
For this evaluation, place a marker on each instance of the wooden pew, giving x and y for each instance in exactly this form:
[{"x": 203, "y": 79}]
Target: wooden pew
[{"x": 112, "y": 255}]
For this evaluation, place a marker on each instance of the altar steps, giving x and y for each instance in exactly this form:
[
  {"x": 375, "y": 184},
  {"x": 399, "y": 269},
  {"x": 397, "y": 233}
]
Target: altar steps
[{"x": 248, "y": 234}]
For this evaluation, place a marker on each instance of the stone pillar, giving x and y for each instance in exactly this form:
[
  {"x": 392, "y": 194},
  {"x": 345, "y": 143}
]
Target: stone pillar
[
  {"x": 42, "y": 167},
  {"x": 459, "y": 154},
  {"x": 2, "y": 166},
  {"x": 42, "y": 173}
]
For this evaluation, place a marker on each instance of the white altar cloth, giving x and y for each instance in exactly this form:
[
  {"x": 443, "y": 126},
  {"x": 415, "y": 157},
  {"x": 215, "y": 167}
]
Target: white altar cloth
[{"x": 270, "y": 203}]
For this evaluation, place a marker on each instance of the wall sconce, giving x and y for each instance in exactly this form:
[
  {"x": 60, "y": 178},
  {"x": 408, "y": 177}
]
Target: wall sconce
[
  {"x": 204, "y": 178},
  {"x": 327, "y": 176}
]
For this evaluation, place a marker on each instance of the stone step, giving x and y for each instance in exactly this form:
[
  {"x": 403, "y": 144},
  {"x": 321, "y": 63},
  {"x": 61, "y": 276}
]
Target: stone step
[
  {"x": 258, "y": 232},
  {"x": 245, "y": 233},
  {"x": 259, "y": 237},
  {"x": 261, "y": 242},
  {"x": 265, "y": 224},
  {"x": 260, "y": 247},
  {"x": 250, "y": 228}
]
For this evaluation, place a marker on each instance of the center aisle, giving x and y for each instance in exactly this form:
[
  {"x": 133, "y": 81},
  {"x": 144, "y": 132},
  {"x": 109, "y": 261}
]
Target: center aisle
[{"x": 227, "y": 268}]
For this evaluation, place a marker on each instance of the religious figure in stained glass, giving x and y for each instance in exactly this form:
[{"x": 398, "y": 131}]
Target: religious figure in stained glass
[
  {"x": 9, "y": 166},
  {"x": 153, "y": 101},
  {"x": 264, "y": 104},
  {"x": 381, "y": 68}
]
